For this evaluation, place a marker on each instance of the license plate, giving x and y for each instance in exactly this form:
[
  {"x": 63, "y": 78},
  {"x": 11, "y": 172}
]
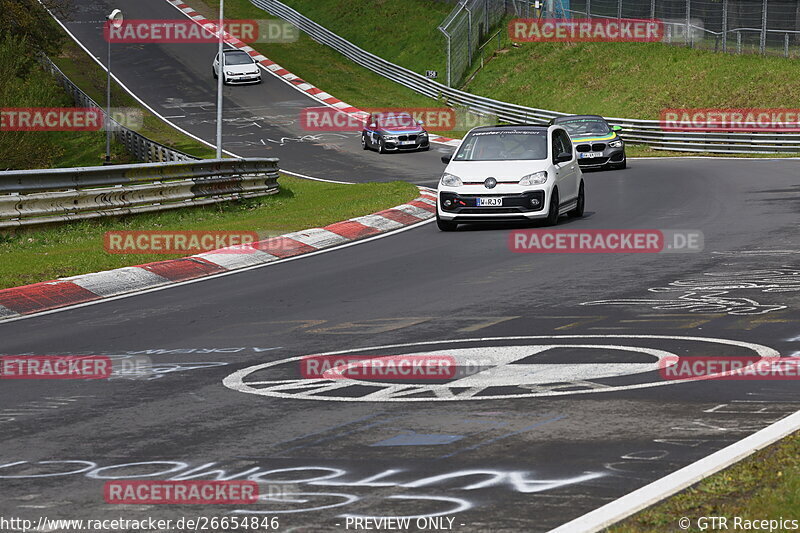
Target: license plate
[
  {"x": 407, "y": 142},
  {"x": 490, "y": 202},
  {"x": 586, "y": 155}
]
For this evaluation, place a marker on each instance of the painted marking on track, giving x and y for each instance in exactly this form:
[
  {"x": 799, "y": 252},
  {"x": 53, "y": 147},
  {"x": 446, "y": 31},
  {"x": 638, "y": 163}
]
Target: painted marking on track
[
  {"x": 504, "y": 372},
  {"x": 419, "y": 439}
]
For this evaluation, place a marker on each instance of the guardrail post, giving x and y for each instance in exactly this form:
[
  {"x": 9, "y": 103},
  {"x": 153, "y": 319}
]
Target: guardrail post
[
  {"x": 724, "y": 25},
  {"x": 763, "y": 41},
  {"x": 449, "y": 65},
  {"x": 652, "y": 9},
  {"x": 689, "y": 23},
  {"x": 738, "y": 42},
  {"x": 588, "y": 9},
  {"x": 786, "y": 44},
  {"x": 469, "y": 34},
  {"x": 619, "y": 9}
]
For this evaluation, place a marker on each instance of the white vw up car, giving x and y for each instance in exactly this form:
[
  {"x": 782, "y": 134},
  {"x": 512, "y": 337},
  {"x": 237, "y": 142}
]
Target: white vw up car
[{"x": 510, "y": 173}]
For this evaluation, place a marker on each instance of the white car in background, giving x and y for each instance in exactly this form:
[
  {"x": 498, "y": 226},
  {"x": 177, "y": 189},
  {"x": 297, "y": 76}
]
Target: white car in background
[
  {"x": 510, "y": 173},
  {"x": 237, "y": 67}
]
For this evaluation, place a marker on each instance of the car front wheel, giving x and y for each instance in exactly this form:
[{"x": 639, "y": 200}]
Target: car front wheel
[
  {"x": 619, "y": 166},
  {"x": 381, "y": 147},
  {"x": 552, "y": 213},
  {"x": 364, "y": 142},
  {"x": 445, "y": 225},
  {"x": 578, "y": 210}
]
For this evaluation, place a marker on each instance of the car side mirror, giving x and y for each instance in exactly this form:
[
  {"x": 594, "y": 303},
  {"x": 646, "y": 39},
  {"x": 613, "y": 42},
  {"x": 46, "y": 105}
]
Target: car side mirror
[
  {"x": 563, "y": 157},
  {"x": 446, "y": 158},
  {"x": 616, "y": 128},
  {"x": 419, "y": 122},
  {"x": 373, "y": 125}
]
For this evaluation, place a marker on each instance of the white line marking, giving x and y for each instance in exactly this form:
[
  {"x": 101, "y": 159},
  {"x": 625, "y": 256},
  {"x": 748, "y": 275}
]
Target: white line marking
[
  {"x": 637, "y": 500},
  {"x": 236, "y": 381}
]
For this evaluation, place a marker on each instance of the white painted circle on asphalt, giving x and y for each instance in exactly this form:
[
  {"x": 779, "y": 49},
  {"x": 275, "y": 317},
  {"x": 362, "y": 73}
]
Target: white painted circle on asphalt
[{"x": 495, "y": 367}]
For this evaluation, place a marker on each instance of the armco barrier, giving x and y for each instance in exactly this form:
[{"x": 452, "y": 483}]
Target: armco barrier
[
  {"x": 30, "y": 197},
  {"x": 646, "y": 132},
  {"x": 137, "y": 145}
]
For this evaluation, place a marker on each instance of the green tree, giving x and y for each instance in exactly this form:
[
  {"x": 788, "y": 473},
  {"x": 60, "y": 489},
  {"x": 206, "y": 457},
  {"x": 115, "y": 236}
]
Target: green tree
[{"x": 30, "y": 20}]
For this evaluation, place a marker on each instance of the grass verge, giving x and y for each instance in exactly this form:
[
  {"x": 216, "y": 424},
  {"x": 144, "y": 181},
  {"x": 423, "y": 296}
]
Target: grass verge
[
  {"x": 45, "y": 253},
  {"x": 23, "y": 83},
  {"x": 762, "y": 487},
  {"x": 635, "y": 80},
  {"x": 86, "y": 74},
  {"x": 405, "y": 32}
]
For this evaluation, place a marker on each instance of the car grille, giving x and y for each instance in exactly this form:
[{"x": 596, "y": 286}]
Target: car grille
[
  {"x": 512, "y": 203},
  {"x": 407, "y": 137},
  {"x": 597, "y": 147},
  {"x": 484, "y": 210}
]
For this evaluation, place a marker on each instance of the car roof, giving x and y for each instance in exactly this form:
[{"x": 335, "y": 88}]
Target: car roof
[
  {"x": 390, "y": 114},
  {"x": 235, "y": 52},
  {"x": 512, "y": 127},
  {"x": 572, "y": 117}
]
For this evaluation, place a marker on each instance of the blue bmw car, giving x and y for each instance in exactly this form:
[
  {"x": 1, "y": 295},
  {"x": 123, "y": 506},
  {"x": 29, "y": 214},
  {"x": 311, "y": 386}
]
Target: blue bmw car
[{"x": 394, "y": 132}]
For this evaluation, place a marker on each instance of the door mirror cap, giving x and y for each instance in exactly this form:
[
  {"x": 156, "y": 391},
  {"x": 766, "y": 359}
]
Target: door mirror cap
[
  {"x": 616, "y": 128},
  {"x": 563, "y": 157},
  {"x": 373, "y": 125},
  {"x": 446, "y": 158}
]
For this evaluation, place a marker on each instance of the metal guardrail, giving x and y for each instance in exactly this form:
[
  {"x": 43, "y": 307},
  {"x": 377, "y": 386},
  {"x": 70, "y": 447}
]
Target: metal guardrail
[
  {"x": 639, "y": 131},
  {"x": 138, "y": 145},
  {"x": 29, "y": 197}
]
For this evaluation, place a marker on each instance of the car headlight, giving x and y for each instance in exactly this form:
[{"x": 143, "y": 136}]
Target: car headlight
[
  {"x": 451, "y": 180},
  {"x": 423, "y": 134},
  {"x": 616, "y": 144},
  {"x": 390, "y": 137},
  {"x": 230, "y": 73},
  {"x": 537, "y": 178}
]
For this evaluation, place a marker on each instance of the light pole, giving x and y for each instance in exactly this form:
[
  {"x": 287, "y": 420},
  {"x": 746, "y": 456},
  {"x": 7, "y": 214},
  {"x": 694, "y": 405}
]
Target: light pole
[
  {"x": 221, "y": 66},
  {"x": 115, "y": 20}
]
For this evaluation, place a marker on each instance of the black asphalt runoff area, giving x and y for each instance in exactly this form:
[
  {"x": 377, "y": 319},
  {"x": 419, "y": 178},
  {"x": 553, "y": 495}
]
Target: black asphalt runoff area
[{"x": 568, "y": 411}]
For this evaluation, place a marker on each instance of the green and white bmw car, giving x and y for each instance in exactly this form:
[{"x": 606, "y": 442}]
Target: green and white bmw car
[{"x": 597, "y": 144}]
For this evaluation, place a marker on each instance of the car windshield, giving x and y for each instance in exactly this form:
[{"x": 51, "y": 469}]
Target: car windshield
[
  {"x": 585, "y": 126},
  {"x": 238, "y": 59},
  {"x": 396, "y": 121},
  {"x": 503, "y": 145}
]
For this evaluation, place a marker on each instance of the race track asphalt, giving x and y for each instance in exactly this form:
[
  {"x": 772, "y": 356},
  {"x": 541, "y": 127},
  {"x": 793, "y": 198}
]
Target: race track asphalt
[
  {"x": 541, "y": 451},
  {"x": 260, "y": 120}
]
